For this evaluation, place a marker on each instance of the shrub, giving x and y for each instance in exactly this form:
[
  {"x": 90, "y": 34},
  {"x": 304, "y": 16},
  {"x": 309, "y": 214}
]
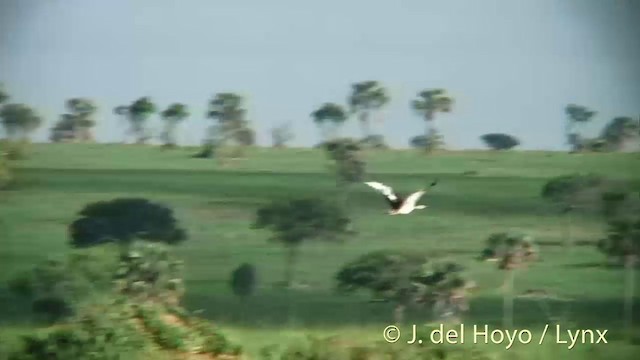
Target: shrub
[
  {"x": 57, "y": 288},
  {"x": 500, "y": 141},
  {"x": 99, "y": 333},
  {"x": 243, "y": 280}
]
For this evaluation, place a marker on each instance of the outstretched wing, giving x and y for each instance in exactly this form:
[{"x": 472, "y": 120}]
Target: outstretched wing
[
  {"x": 384, "y": 189},
  {"x": 413, "y": 198}
]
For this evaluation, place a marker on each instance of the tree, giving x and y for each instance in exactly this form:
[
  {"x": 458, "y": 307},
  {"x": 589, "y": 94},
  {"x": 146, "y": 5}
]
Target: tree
[
  {"x": 231, "y": 125},
  {"x": 500, "y": 141},
  {"x": 427, "y": 104},
  {"x": 623, "y": 242},
  {"x": 572, "y": 192},
  {"x": 576, "y": 115},
  {"x": 405, "y": 278},
  {"x": 365, "y": 98},
  {"x": 348, "y": 166},
  {"x": 281, "y": 135},
  {"x": 77, "y": 123},
  {"x": 138, "y": 113},
  {"x": 19, "y": 120},
  {"x": 122, "y": 220},
  {"x": 296, "y": 221},
  {"x": 328, "y": 118},
  {"x": 512, "y": 252},
  {"x": 172, "y": 116},
  {"x": 619, "y": 131},
  {"x": 122, "y": 111}
]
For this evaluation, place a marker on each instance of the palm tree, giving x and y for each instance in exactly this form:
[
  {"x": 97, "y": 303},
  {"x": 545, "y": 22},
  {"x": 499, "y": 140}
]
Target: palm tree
[
  {"x": 172, "y": 116},
  {"x": 428, "y": 103},
  {"x": 329, "y": 117},
  {"x": 512, "y": 252},
  {"x": 81, "y": 111},
  {"x": 576, "y": 114},
  {"x": 122, "y": 111},
  {"x": 138, "y": 113},
  {"x": 366, "y": 97}
]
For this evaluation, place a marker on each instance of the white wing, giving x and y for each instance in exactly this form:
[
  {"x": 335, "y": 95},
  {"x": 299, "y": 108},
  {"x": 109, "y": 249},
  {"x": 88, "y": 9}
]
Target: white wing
[
  {"x": 384, "y": 189},
  {"x": 413, "y": 198}
]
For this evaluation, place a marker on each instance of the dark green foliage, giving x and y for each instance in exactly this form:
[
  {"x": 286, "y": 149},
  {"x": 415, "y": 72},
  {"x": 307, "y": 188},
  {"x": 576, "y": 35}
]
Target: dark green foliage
[
  {"x": 102, "y": 332},
  {"x": 419, "y": 141},
  {"x": 366, "y": 97},
  {"x": 123, "y": 219},
  {"x": 620, "y": 129},
  {"x": 510, "y": 250},
  {"x": 19, "y": 120},
  {"x": 500, "y": 141},
  {"x": 566, "y": 189},
  {"x": 432, "y": 141},
  {"x": 294, "y": 221},
  {"x": 297, "y": 220},
  {"x": 374, "y": 142},
  {"x": 349, "y": 166},
  {"x": 138, "y": 113},
  {"x": 172, "y": 116},
  {"x": 243, "y": 280},
  {"x": 4, "y": 95},
  {"x": 405, "y": 278},
  {"x": 76, "y": 124},
  {"x": 57, "y": 288},
  {"x": 576, "y": 115},
  {"x": 228, "y": 110},
  {"x": 389, "y": 275},
  {"x": 329, "y": 117},
  {"x": 623, "y": 238},
  {"x": 427, "y": 104},
  {"x": 208, "y": 150}
]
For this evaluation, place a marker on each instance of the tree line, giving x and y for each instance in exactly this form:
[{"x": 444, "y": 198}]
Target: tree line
[{"x": 231, "y": 128}]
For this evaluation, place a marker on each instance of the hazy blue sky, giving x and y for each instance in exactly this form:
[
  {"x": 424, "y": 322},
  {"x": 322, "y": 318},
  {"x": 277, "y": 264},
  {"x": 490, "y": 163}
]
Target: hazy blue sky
[{"x": 512, "y": 65}]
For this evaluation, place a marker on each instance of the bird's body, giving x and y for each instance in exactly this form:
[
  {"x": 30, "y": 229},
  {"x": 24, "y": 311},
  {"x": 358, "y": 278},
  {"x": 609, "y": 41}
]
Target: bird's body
[{"x": 399, "y": 205}]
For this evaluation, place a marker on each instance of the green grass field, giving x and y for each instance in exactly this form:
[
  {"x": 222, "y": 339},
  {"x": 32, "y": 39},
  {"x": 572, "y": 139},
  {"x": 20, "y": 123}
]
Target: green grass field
[{"x": 217, "y": 205}]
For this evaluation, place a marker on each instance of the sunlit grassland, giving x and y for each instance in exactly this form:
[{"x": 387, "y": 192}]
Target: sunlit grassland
[{"x": 479, "y": 193}]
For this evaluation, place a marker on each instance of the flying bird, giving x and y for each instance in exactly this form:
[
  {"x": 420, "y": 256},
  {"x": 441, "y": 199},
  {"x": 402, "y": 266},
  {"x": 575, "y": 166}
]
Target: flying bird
[{"x": 399, "y": 205}]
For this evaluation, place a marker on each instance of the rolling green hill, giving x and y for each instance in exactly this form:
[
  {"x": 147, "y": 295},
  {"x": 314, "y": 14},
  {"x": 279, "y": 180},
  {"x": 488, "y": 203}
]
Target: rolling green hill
[{"x": 479, "y": 193}]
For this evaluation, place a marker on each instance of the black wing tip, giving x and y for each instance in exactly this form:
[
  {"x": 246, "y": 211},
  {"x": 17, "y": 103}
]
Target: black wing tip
[{"x": 434, "y": 183}]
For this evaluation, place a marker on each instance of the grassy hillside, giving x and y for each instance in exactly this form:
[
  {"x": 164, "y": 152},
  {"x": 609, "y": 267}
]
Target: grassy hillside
[{"x": 479, "y": 193}]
